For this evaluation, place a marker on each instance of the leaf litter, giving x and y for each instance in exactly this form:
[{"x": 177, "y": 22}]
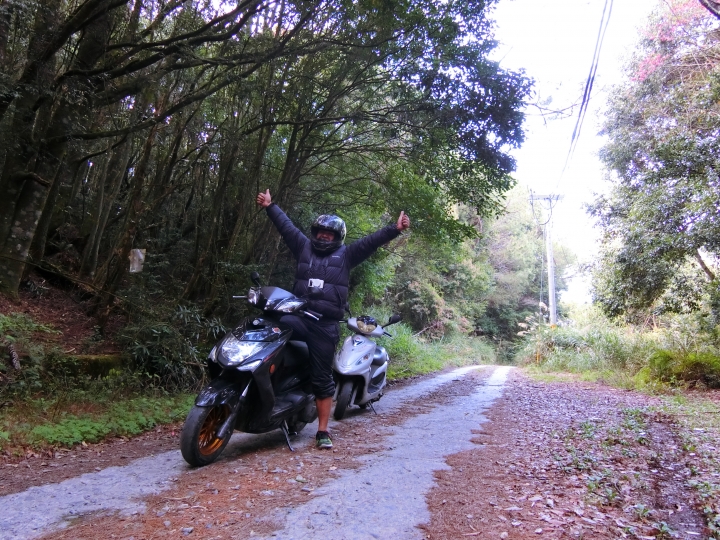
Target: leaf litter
[{"x": 570, "y": 460}]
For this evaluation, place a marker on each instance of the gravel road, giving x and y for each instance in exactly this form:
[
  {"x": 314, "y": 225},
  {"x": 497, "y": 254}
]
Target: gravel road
[{"x": 385, "y": 496}]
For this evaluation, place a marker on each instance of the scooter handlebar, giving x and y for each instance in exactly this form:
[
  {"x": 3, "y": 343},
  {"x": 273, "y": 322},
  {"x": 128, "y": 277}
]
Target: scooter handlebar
[{"x": 311, "y": 314}]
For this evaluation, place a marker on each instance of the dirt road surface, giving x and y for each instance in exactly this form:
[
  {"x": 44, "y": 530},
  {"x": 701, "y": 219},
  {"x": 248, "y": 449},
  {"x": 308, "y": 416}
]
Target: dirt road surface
[{"x": 481, "y": 452}]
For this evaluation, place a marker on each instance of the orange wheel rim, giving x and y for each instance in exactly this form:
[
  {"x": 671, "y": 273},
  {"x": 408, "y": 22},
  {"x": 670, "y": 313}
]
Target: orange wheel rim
[{"x": 209, "y": 442}]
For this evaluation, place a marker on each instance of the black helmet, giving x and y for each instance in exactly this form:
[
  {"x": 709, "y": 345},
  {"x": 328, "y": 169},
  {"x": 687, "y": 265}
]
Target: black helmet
[{"x": 328, "y": 223}]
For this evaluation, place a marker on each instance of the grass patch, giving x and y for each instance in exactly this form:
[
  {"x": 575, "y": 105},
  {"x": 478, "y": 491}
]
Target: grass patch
[
  {"x": 538, "y": 374},
  {"x": 44, "y": 423},
  {"x": 694, "y": 368}
]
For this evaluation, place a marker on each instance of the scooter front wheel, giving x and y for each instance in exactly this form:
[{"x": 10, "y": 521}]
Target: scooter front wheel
[
  {"x": 343, "y": 400},
  {"x": 199, "y": 442}
]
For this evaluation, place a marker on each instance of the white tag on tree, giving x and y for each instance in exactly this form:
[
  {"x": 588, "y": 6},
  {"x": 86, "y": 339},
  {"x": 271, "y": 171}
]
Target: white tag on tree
[{"x": 137, "y": 258}]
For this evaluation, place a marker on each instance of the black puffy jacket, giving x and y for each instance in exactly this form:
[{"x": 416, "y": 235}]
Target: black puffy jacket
[{"x": 333, "y": 268}]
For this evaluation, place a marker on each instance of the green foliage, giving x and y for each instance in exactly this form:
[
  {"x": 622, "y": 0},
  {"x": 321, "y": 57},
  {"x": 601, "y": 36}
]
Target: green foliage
[
  {"x": 589, "y": 343},
  {"x": 440, "y": 288},
  {"x": 370, "y": 281},
  {"x": 39, "y": 361},
  {"x": 408, "y": 355},
  {"x": 21, "y": 330},
  {"x": 512, "y": 246},
  {"x": 70, "y": 432}
]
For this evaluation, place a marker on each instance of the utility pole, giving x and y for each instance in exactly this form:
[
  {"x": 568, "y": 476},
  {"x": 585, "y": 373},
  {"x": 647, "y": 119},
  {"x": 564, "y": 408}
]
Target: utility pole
[
  {"x": 551, "y": 275},
  {"x": 551, "y": 200}
]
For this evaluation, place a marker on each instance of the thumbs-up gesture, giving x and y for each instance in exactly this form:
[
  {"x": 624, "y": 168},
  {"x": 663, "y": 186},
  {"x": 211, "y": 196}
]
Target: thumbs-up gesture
[
  {"x": 403, "y": 222},
  {"x": 264, "y": 199}
]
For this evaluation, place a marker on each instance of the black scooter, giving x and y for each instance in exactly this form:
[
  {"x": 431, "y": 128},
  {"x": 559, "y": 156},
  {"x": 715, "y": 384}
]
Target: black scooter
[{"x": 260, "y": 380}]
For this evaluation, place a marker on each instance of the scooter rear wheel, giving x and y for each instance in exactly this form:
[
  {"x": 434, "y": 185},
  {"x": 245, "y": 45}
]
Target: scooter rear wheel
[
  {"x": 343, "y": 400},
  {"x": 199, "y": 442}
]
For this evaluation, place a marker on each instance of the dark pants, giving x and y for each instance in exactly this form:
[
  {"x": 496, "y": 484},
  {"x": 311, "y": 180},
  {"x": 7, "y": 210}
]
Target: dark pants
[{"x": 321, "y": 339}]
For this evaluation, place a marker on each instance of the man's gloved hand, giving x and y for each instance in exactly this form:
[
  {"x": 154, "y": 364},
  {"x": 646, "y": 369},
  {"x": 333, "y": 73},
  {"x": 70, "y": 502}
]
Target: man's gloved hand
[
  {"x": 264, "y": 199},
  {"x": 403, "y": 222}
]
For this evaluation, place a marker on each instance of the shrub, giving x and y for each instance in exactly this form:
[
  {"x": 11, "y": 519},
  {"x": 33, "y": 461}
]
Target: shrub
[
  {"x": 693, "y": 368},
  {"x": 587, "y": 342},
  {"x": 172, "y": 345},
  {"x": 29, "y": 339},
  {"x": 675, "y": 351}
]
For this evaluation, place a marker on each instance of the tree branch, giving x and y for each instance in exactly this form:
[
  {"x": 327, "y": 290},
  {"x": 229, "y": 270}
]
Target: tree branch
[{"x": 31, "y": 176}]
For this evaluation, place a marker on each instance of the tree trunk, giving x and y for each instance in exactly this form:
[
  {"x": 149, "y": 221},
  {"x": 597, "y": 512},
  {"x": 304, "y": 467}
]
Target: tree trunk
[
  {"x": 20, "y": 155},
  {"x": 712, "y": 6},
  {"x": 116, "y": 265},
  {"x": 39, "y": 66},
  {"x": 25, "y": 184},
  {"x": 255, "y": 172},
  {"x": 217, "y": 207},
  {"x": 709, "y": 273},
  {"x": 118, "y": 171},
  {"x": 6, "y": 13},
  {"x": 17, "y": 243},
  {"x": 37, "y": 248}
]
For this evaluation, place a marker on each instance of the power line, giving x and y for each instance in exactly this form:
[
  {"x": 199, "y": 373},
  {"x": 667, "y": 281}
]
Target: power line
[{"x": 604, "y": 21}]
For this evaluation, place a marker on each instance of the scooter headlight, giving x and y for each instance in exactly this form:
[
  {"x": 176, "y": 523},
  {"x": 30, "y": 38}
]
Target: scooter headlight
[
  {"x": 366, "y": 324},
  {"x": 234, "y": 352}
]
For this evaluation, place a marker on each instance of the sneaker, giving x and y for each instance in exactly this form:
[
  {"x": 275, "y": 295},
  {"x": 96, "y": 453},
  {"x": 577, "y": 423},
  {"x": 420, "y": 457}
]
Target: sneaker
[{"x": 323, "y": 440}]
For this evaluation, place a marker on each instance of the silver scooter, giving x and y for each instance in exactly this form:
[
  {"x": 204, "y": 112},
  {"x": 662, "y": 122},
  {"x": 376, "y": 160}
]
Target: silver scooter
[{"x": 360, "y": 366}]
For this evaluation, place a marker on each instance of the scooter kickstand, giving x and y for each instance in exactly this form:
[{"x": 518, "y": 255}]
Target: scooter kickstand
[
  {"x": 372, "y": 407},
  {"x": 286, "y": 432}
]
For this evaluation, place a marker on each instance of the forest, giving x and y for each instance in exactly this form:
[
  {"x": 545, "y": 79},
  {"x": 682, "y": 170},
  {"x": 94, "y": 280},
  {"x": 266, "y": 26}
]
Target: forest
[{"x": 150, "y": 126}]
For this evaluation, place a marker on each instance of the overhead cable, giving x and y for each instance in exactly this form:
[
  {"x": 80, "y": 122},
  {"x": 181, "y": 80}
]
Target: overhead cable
[{"x": 604, "y": 21}]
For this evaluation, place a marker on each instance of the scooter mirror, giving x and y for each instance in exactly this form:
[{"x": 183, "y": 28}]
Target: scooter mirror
[
  {"x": 395, "y": 318},
  {"x": 255, "y": 277}
]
